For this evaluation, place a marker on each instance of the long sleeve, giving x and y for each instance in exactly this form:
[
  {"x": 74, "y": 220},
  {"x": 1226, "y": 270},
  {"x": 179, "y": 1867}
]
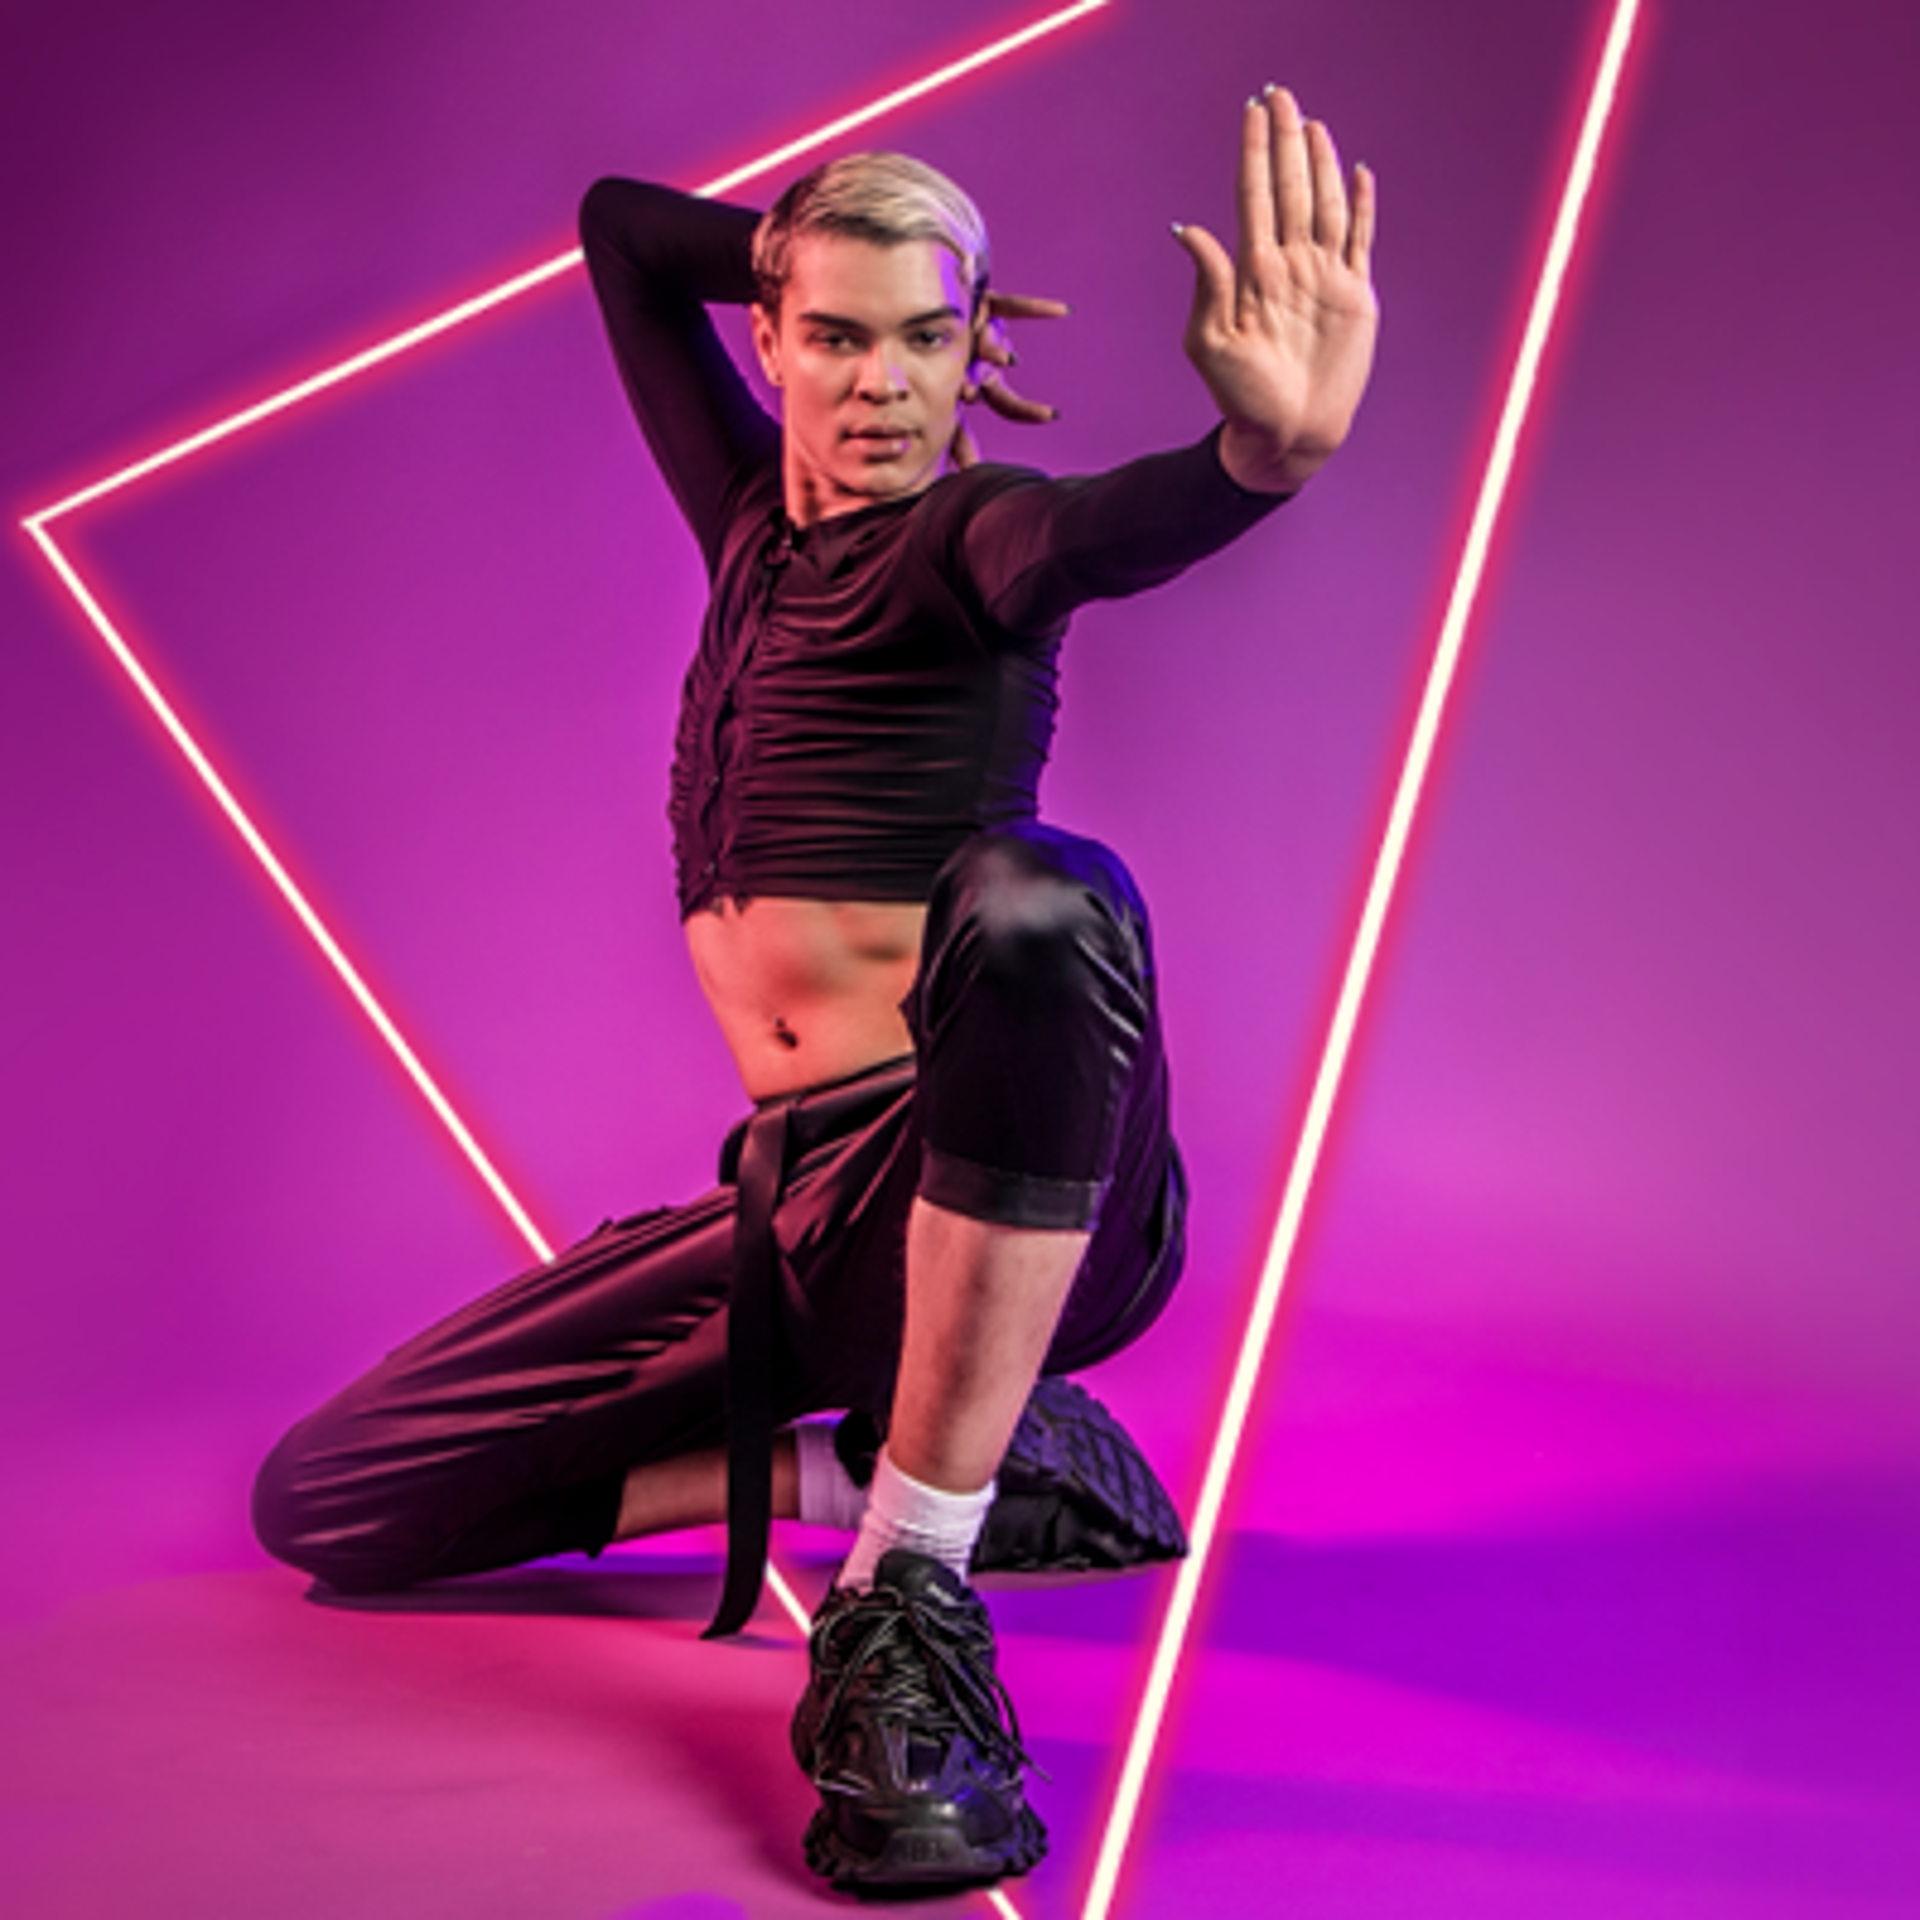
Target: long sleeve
[
  {"x": 1037, "y": 550},
  {"x": 656, "y": 258}
]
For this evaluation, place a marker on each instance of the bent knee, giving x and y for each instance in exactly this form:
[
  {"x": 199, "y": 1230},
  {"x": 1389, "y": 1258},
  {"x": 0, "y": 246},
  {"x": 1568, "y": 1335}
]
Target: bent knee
[
  {"x": 1034, "y": 900},
  {"x": 304, "y": 1517}
]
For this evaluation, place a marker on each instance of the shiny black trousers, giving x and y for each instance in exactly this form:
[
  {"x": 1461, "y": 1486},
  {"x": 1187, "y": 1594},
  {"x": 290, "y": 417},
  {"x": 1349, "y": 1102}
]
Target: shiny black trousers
[{"x": 1036, "y": 1096}]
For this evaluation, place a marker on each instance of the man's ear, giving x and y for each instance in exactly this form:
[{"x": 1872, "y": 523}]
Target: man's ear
[{"x": 766, "y": 342}]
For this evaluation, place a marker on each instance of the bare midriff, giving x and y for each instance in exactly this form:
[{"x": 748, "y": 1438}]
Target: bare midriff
[{"x": 806, "y": 991}]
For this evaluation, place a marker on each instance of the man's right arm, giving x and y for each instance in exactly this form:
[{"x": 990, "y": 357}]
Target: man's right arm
[{"x": 657, "y": 258}]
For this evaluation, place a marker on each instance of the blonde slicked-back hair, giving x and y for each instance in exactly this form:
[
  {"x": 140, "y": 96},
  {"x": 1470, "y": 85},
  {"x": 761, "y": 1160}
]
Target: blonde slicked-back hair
[{"x": 884, "y": 198}]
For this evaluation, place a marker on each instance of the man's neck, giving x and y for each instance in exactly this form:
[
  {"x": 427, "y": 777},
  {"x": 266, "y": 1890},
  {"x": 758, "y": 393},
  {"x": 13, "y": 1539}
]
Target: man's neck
[{"x": 811, "y": 498}]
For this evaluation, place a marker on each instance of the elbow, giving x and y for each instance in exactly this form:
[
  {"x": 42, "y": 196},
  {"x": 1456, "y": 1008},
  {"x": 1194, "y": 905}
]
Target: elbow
[{"x": 599, "y": 212}]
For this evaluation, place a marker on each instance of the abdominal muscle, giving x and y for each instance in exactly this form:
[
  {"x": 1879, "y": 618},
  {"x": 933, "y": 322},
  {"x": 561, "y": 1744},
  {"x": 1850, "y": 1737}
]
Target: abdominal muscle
[{"x": 807, "y": 991}]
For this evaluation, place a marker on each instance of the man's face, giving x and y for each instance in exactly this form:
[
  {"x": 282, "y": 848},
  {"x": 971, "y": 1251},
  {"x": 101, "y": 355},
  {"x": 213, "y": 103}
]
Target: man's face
[{"x": 870, "y": 350}]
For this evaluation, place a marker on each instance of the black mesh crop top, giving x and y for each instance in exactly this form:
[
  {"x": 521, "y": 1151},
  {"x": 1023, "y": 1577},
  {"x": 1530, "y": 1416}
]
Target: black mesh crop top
[{"x": 872, "y": 690}]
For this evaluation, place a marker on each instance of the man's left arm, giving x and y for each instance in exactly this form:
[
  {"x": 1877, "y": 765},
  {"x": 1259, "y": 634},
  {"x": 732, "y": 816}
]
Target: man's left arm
[{"x": 1283, "y": 337}]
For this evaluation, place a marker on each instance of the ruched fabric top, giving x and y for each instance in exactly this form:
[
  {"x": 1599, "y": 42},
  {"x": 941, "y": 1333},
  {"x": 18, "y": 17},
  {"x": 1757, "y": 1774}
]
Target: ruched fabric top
[{"x": 872, "y": 690}]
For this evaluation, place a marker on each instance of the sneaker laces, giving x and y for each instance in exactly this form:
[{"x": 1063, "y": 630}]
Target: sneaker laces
[{"x": 951, "y": 1687}]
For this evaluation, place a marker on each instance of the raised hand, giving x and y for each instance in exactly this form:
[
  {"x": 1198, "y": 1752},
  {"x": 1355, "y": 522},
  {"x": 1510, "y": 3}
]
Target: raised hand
[
  {"x": 993, "y": 354},
  {"x": 1283, "y": 333}
]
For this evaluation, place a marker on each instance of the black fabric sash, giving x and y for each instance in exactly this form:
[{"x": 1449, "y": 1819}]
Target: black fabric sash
[
  {"x": 750, "y": 1315},
  {"x": 759, "y": 1157}
]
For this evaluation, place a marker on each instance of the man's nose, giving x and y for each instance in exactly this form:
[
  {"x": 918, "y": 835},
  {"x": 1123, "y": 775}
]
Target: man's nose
[{"x": 880, "y": 374}]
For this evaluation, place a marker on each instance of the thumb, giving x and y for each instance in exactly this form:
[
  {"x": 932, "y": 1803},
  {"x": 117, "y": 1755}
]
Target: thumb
[{"x": 1212, "y": 272}]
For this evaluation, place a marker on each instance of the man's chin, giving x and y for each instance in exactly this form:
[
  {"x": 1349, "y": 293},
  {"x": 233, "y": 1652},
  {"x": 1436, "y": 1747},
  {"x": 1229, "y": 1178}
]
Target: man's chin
[{"x": 876, "y": 480}]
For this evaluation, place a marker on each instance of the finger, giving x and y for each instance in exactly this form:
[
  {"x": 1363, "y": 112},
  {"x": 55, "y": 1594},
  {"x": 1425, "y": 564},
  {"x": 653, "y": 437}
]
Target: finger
[
  {"x": 960, "y": 449},
  {"x": 1015, "y": 406},
  {"x": 1330, "y": 214},
  {"x": 1253, "y": 190},
  {"x": 1213, "y": 275},
  {"x": 994, "y": 347},
  {"x": 1022, "y": 306},
  {"x": 1292, "y": 178},
  {"x": 1366, "y": 197}
]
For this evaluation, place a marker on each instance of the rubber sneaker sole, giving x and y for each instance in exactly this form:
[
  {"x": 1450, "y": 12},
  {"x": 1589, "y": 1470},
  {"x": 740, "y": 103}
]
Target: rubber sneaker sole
[{"x": 921, "y": 1851}]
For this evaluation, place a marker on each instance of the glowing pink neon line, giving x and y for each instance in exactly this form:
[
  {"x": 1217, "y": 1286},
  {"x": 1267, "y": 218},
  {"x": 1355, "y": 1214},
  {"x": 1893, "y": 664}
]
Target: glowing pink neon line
[
  {"x": 789, "y": 1601},
  {"x": 342, "y": 370},
  {"x": 905, "y": 96},
  {"x": 335, "y": 375},
  {"x": 289, "y": 890},
  {"x": 1359, "y": 968},
  {"x": 440, "y": 323},
  {"x": 332, "y": 376}
]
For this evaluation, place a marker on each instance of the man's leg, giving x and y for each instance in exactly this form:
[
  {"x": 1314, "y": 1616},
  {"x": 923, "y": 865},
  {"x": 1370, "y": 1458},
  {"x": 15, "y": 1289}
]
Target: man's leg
[
  {"x": 502, "y": 1433},
  {"x": 585, "y": 1400},
  {"x": 1032, "y": 1011},
  {"x": 983, "y": 1301},
  {"x": 691, "y": 1491},
  {"x": 979, "y": 1321}
]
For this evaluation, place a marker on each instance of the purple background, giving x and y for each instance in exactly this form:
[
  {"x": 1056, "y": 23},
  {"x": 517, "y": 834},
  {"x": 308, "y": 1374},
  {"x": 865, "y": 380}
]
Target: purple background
[{"x": 1621, "y": 1203}]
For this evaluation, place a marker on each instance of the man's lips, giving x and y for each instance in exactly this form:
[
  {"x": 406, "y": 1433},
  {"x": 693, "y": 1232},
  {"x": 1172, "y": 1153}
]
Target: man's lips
[{"x": 880, "y": 443}]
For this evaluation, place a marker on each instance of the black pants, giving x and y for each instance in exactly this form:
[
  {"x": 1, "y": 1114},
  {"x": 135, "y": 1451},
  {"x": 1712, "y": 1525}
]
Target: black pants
[{"x": 1036, "y": 1096}]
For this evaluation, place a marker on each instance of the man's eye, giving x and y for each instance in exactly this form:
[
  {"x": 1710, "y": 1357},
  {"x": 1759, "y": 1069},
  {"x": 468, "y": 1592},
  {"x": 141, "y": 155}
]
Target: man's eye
[{"x": 933, "y": 338}]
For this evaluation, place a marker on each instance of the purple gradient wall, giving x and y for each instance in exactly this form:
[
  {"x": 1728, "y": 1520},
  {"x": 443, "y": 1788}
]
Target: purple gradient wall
[{"x": 1636, "y": 1093}]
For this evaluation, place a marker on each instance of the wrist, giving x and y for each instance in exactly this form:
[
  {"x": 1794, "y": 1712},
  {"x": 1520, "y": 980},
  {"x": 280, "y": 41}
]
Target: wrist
[{"x": 1257, "y": 463}]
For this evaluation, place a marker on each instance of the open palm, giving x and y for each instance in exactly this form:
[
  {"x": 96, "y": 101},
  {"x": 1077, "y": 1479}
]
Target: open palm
[{"x": 1283, "y": 333}]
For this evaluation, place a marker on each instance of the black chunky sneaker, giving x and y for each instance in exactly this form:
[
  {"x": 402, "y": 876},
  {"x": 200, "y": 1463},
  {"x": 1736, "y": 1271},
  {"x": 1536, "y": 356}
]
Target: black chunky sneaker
[
  {"x": 1075, "y": 1493},
  {"x": 909, "y": 1736}
]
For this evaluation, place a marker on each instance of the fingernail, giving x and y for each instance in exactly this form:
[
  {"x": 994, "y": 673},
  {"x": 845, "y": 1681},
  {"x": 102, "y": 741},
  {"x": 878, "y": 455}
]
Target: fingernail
[
  {"x": 1178, "y": 228},
  {"x": 1269, "y": 90},
  {"x": 1053, "y": 413}
]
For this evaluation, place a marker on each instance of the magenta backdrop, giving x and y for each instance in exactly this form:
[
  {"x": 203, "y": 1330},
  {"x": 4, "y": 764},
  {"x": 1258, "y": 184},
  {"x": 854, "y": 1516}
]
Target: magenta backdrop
[{"x": 1636, "y": 1094}]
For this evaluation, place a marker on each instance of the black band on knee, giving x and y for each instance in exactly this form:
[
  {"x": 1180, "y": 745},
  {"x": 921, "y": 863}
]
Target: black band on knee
[{"x": 1008, "y": 1199}]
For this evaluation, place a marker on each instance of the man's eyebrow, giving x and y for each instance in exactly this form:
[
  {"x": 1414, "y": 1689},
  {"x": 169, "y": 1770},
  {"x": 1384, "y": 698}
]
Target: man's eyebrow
[{"x": 845, "y": 325}]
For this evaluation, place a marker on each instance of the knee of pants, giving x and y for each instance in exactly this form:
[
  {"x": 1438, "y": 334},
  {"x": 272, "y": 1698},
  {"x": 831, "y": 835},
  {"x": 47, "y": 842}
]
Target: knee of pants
[
  {"x": 1029, "y": 1015},
  {"x": 1037, "y": 916},
  {"x": 321, "y": 1529},
  {"x": 279, "y": 1515}
]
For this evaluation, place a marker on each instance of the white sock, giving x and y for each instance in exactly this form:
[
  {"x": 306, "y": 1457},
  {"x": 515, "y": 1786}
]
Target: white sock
[
  {"x": 829, "y": 1494},
  {"x": 903, "y": 1513}
]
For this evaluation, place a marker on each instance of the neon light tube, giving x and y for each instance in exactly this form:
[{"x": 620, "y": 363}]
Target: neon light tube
[
  {"x": 289, "y": 891},
  {"x": 445, "y": 322},
  {"x": 332, "y": 376},
  {"x": 1333, "y": 1059}
]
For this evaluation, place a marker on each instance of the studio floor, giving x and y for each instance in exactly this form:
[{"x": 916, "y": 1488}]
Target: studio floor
[{"x": 1484, "y": 1639}]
